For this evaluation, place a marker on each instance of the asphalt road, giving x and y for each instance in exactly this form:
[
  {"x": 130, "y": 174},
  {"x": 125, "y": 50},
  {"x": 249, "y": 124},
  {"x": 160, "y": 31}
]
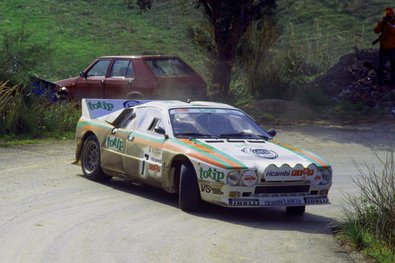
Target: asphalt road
[{"x": 50, "y": 213}]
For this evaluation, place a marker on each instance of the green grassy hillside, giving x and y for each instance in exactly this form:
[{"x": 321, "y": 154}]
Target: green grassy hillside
[
  {"x": 80, "y": 30},
  {"x": 340, "y": 25}
]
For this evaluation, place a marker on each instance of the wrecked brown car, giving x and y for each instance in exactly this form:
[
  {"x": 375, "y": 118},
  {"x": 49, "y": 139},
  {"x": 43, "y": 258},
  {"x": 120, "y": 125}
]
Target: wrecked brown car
[{"x": 135, "y": 77}]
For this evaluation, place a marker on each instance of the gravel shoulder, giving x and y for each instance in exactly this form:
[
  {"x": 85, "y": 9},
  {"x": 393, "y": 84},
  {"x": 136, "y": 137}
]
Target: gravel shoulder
[{"x": 50, "y": 213}]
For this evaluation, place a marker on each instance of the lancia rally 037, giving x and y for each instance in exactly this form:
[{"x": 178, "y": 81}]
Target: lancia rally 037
[{"x": 199, "y": 150}]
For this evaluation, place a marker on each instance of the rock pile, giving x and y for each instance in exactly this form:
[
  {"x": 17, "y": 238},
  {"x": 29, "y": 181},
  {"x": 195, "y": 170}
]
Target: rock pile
[{"x": 354, "y": 78}]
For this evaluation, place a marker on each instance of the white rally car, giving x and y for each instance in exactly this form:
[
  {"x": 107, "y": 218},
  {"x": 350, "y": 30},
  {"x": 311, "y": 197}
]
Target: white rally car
[{"x": 200, "y": 150}]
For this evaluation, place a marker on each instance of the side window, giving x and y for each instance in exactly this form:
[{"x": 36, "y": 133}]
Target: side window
[
  {"x": 149, "y": 119},
  {"x": 169, "y": 67},
  {"x": 154, "y": 124},
  {"x": 99, "y": 69},
  {"x": 120, "y": 68},
  {"x": 137, "y": 116},
  {"x": 129, "y": 118}
]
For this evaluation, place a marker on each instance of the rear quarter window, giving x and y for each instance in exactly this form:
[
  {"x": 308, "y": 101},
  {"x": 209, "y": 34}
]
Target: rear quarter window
[{"x": 169, "y": 67}]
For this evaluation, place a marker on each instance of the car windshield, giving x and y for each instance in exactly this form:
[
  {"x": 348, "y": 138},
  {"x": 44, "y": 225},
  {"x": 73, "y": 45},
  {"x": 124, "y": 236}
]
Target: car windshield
[{"x": 214, "y": 123}]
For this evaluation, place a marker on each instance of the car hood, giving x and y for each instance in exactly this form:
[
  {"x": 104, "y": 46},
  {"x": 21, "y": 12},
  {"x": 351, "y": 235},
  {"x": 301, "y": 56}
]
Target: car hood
[
  {"x": 274, "y": 161},
  {"x": 66, "y": 82}
]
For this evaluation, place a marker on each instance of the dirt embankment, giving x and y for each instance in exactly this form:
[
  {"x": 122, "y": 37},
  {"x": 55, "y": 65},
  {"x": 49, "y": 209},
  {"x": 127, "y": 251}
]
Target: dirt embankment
[{"x": 354, "y": 78}]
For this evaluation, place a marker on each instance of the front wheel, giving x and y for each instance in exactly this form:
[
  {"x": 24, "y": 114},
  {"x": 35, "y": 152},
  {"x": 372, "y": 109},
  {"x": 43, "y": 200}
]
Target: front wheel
[
  {"x": 90, "y": 160},
  {"x": 295, "y": 210},
  {"x": 188, "y": 194}
]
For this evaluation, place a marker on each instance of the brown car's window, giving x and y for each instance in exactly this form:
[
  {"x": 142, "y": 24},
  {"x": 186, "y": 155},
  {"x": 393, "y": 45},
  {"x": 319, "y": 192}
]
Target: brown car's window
[
  {"x": 121, "y": 68},
  {"x": 168, "y": 67},
  {"x": 99, "y": 69}
]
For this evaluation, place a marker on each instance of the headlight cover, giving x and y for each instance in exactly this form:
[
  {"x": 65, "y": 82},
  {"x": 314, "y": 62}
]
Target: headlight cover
[
  {"x": 326, "y": 176},
  {"x": 249, "y": 178},
  {"x": 233, "y": 178}
]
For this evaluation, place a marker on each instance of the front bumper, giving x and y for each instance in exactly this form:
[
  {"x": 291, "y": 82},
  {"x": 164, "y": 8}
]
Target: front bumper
[
  {"x": 276, "y": 201},
  {"x": 274, "y": 194}
]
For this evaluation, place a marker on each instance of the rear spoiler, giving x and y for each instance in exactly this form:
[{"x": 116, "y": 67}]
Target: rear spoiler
[{"x": 95, "y": 108}]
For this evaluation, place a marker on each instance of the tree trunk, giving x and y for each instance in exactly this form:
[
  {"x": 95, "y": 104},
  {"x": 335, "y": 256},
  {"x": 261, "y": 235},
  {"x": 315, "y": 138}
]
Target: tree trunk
[
  {"x": 221, "y": 78},
  {"x": 226, "y": 42},
  {"x": 227, "y": 37}
]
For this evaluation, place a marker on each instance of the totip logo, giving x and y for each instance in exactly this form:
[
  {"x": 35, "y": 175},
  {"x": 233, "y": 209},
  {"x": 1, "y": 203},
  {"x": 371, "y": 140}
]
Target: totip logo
[
  {"x": 115, "y": 143},
  {"x": 211, "y": 173},
  {"x": 100, "y": 105}
]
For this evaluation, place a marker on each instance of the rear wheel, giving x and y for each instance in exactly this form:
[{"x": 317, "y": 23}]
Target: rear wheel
[
  {"x": 90, "y": 160},
  {"x": 189, "y": 195},
  {"x": 295, "y": 210}
]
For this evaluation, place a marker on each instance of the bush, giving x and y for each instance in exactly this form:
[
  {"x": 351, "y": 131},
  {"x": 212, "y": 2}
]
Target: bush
[
  {"x": 282, "y": 72},
  {"x": 24, "y": 114},
  {"x": 19, "y": 57},
  {"x": 370, "y": 217}
]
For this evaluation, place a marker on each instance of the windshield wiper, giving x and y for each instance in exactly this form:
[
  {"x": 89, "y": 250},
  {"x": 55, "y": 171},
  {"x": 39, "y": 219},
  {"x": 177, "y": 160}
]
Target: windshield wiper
[
  {"x": 193, "y": 134},
  {"x": 236, "y": 134},
  {"x": 242, "y": 135}
]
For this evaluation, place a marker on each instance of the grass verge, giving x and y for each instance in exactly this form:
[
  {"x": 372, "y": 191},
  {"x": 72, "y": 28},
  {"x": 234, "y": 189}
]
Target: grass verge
[
  {"x": 369, "y": 224},
  {"x": 12, "y": 140},
  {"x": 23, "y": 115}
]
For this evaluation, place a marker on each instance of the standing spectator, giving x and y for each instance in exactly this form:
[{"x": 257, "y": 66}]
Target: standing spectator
[{"x": 386, "y": 29}]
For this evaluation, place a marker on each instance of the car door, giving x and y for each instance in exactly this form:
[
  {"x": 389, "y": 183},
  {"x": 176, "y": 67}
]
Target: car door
[
  {"x": 91, "y": 84},
  {"x": 115, "y": 143},
  {"x": 143, "y": 153},
  {"x": 119, "y": 82}
]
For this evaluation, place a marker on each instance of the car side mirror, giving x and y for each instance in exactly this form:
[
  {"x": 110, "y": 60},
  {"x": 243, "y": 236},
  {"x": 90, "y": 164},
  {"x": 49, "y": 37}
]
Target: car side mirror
[
  {"x": 272, "y": 132},
  {"x": 83, "y": 74},
  {"x": 160, "y": 130}
]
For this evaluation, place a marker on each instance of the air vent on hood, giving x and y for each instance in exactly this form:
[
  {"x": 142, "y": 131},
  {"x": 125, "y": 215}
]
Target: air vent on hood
[
  {"x": 234, "y": 140},
  {"x": 213, "y": 141},
  {"x": 257, "y": 141}
]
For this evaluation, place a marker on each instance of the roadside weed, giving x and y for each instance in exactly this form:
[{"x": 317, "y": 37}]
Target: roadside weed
[{"x": 370, "y": 217}]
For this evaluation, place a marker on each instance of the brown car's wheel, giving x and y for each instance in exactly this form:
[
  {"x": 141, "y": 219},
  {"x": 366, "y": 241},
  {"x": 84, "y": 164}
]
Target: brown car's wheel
[
  {"x": 90, "y": 160},
  {"x": 189, "y": 194},
  {"x": 295, "y": 210}
]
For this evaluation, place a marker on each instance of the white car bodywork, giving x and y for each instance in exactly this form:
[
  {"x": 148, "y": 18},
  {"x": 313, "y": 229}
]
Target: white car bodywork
[{"x": 244, "y": 169}]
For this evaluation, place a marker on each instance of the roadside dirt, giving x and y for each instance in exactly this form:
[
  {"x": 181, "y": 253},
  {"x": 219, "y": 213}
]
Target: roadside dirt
[
  {"x": 354, "y": 78},
  {"x": 50, "y": 213}
]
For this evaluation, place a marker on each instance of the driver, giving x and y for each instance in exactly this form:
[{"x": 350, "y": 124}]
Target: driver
[{"x": 215, "y": 124}]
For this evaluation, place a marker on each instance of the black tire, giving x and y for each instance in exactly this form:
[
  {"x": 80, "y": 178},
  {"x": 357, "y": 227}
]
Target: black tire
[
  {"x": 188, "y": 192},
  {"x": 295, "y": 210},
  {"x": 90, "y": 160}
]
